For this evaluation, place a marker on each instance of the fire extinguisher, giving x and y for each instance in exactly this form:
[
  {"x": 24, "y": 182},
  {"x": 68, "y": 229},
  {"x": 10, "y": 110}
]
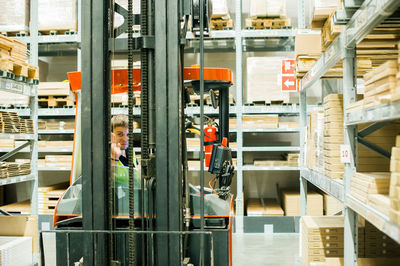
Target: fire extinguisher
[{"x": 210, "y": 137}]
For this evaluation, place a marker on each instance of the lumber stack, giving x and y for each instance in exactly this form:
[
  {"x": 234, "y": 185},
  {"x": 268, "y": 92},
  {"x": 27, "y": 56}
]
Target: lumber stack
[
  {"x": 323, "y": 237},
  {"x": 333, "y": 135},
  {"x": 263, "y": 207},
  {"x": 260, "y": 121},
  {"x": 58, "y": 160},
  {"x": 380, "y": 83},
  {"x": 11, "y": 123},
  {"x": 394, "y": 194},
  {"x": 365, "y": 184},
  {"x": 396, "y": 91},
  {"x": 10, "y": 169}
]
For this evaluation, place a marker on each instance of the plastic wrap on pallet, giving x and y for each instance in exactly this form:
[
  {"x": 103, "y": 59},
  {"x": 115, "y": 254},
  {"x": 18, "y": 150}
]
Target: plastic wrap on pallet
[
  {"x": 118, "y": 19},
  {"x": 9, "y": 99},
  {"x": 57, "y": 15},
  {"x": 14, "y": 15},
  {"x": 268, "y": 8},
  {"x": 263, "y": 80},
  {"x": 220, "y": 8},
  {"x": 325, "y": 3}
]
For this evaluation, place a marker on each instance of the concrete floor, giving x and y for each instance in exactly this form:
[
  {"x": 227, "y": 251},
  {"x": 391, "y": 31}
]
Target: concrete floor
[
  {"x": 266, "y": 249},
  {"x": 248, "y": 249}
]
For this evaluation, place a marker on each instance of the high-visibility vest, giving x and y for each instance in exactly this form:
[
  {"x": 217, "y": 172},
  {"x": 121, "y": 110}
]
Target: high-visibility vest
[{"x": 122, "y": 173}]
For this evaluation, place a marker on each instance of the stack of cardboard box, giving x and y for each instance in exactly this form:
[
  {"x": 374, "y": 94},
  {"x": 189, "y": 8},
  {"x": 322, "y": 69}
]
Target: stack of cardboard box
[
  {"x": 323, "y": 237},
  {"x": 333, "y": 135},
  {"x": 14, "y": 16},
  {"x": 394, "y": 194},
  {"x": 59, "y": 15},
  {"x": 377, "y": 244},
  {"x": 291, "y": 203},
  {"x": 263, "y": 207}
]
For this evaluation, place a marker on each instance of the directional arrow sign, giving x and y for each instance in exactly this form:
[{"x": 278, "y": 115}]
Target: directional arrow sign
[
  {"x": 287, "y": 67},
  {"x": 289, "y": 83}
]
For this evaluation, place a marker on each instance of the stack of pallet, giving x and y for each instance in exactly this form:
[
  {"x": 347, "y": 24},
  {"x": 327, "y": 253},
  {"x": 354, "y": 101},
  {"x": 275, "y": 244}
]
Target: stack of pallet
[
  {"x": 54, "y": 94},
  {"x": 267, "y": 15},
  {"x": 377, "y": 244},
  {"x": 48, "y": 198},
  {"x": 333, "y": 135},
  {"x": 7, "y": 144},
  {"x": 365, "y": 184},
  {"x": 323, "y": 237},
  {"x": 13, "y": 59},
  {"x": 10, "y": 169},
  {"x": 394, "y": 194},
  {"x": 380, "y": 83},
  {"x": 263, "y": 207}
]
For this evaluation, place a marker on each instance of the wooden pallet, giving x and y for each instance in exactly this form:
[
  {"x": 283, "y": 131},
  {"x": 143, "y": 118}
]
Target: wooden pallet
[
  {"x": 221, "y": 24},
  {"x": 21, "y": 33},
  {"x": 268, "y": 23},
  {"x": 19, "y": 69},
  {"x": 58, "y": 32},
  {"x": 54, "y": 101}
]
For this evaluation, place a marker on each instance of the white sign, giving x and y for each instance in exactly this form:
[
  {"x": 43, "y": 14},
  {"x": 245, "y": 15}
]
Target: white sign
[{"x": 345, "y": 153}]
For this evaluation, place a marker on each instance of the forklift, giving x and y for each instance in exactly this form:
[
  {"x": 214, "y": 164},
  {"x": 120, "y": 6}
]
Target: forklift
[{"x": 158, "y": 218}]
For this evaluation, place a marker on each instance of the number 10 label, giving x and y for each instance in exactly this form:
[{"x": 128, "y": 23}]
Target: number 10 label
[{"x": 345, "y": 153}]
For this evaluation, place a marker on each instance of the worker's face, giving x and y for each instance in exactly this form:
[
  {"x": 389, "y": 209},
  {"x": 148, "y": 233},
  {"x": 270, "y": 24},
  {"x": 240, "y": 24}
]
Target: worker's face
[{"x": 121, "y": 135}]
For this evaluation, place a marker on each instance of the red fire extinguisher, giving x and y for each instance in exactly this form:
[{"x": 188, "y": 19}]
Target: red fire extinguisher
[{"x": 210, "y": 136}]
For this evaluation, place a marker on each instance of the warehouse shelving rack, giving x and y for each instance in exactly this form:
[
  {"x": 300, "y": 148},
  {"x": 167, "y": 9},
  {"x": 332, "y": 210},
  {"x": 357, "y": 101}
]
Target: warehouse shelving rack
[
  {"x": 365, "y": 19},
  {"x": 238, "y": 40}
]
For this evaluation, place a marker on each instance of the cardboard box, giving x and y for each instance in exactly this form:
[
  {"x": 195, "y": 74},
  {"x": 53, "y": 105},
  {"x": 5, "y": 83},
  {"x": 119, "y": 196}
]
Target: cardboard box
[
  {"x": 291, "y": 203},
  {"x": 308, "y": 42},
  {"x": 53, "y": 89},
  {"x": 20, "y": 226},
  {"x": 260, "y": 121},
  {"x": 272, "y": 8},
  {"x": 331, "y": 205}
]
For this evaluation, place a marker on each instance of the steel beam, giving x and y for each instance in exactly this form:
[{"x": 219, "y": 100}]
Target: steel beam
[
  {"x": 374, "y": 147},
  {"x": 350, "y": 133},
  {"x": 372, "y": 128},
  {"x": 95, "y": 128}
]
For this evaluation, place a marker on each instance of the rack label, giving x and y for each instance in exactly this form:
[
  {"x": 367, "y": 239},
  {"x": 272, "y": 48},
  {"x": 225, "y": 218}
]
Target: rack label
[{"x": 345, "y": 153}]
